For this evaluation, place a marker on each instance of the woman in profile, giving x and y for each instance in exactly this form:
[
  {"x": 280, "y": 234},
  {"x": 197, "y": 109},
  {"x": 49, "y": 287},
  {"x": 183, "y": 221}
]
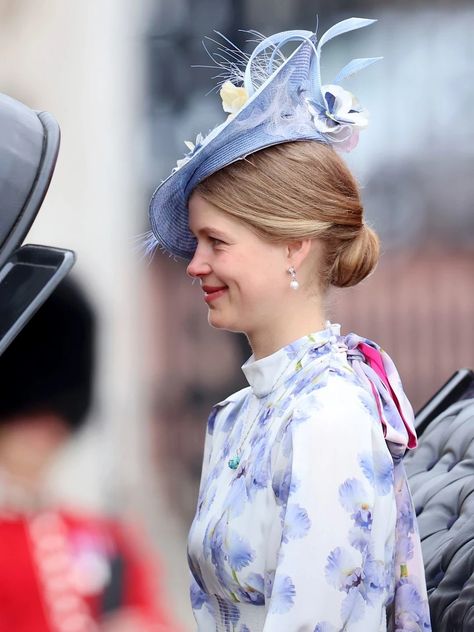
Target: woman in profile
[{"x": 304, "y": 519}]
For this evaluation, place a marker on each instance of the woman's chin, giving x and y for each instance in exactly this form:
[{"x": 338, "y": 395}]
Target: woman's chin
[{"x": 218, "y": 320}]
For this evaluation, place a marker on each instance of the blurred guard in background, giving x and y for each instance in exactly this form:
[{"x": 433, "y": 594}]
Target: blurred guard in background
[{"x": 60, "y": 571}]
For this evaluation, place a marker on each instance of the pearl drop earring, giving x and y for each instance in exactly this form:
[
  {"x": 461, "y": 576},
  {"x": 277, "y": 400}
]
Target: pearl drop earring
[{"x": 293, "y": 283}]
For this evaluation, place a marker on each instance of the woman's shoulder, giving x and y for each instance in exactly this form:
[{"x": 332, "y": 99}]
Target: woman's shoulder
[
  {"x": 326, "y": 374},
  {"x": 234, "y": 398},
  {"x": 338, "y": 419},
  {"x": 228, "y": 407},
  {"x": 338, "y": 395}
]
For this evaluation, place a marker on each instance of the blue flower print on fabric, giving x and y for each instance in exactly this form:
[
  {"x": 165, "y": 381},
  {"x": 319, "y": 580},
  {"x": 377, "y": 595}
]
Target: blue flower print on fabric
[
  {"x": 254, "y": 525},
  {"x": 406, "y": 521},
  {"x": 343, "y": 372},
  {"x": 283, "y": 595},
  {"x": 297, "y": 523},
  {"x": 212, "y": 420},
  {"x": 415, "y": 614},
  {"x": 284, "y": 438},
  {"x": 196, "y": 573},
  {"x": 206, "y": 497},
  {"x": 378, "y": 470},
  {"x": 353, "y": 498},
  {"x": 198, "y": 597},
  {"x": 214, "y": 543},
  {"x": 361, "y": 582},
  {"x": 265, "y": 417},
  {"x": 306, "y": 379},
  {"x": 252, "y": 590},
  {"x": 206, "y": 543},
  {"x": 283, "y": 404},
  {"x": 236, "y": 416},
  {"x": 226, "y": 450},
  {"x": 306, "y": 382},
  {"x": 319, "y": 350},
  {"x": 284, "y": 484},
  {"x": 405, "y": 528},
  {"x": 256, "y": 582},
  {"x": 239, "y": 554},
  {"x": 229, "y": 554},
  {"x": 357, "y": 573},
  {"x": 375, "y": 580},
  {"x": 269, "y": 581},
  {"x": 359, "y": 538},
  {"x": 342, "y": 570},
  {"x": 237, "y": 497},
  {"x": 302, "y": 385},
  {"x": 367, "y": 401},
  {"x": 321, "y": 345},
  {"x": 228, "y": 548},
  {"x": 208, "y": 491},
  {"x": 352, "y": 608},
  {"x": 259, "y": 470},
  {"x": 293, "y": 350}
]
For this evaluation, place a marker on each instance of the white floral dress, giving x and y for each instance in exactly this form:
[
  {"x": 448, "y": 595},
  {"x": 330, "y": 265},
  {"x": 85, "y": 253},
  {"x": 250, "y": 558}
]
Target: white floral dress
[{"x": 312, "y": 529}]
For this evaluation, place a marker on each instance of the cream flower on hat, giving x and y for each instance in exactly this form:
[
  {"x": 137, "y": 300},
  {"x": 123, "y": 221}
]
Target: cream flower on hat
[{"x": 233, "y": 97}]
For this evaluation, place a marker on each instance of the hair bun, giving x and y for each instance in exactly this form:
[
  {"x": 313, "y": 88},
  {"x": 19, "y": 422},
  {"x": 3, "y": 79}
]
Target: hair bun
[{"x": 356, "y": 258}]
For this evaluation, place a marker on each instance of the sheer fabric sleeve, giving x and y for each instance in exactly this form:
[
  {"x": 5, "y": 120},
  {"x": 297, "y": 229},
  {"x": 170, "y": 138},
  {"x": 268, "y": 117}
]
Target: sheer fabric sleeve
[{"x": 333, "y": 481}]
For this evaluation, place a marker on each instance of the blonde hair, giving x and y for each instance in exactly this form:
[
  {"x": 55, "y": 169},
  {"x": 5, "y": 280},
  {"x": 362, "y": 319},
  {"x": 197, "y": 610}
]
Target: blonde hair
[{"x": 300, "y": 190}]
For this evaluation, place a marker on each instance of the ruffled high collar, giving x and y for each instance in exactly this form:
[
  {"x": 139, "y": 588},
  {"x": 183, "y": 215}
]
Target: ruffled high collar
[{"x": 268, "y": 373}]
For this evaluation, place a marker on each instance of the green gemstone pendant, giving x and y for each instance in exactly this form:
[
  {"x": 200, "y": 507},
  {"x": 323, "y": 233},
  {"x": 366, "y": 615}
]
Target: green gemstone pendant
[{"x": 234, "y": 462}]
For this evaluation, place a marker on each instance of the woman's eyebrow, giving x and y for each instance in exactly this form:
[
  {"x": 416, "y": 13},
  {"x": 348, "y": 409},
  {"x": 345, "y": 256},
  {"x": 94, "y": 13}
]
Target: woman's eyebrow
[{"x": 209, "y": 230}]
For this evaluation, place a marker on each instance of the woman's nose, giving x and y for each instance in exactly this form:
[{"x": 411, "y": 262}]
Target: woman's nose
[{"x": 197, "y": 267}]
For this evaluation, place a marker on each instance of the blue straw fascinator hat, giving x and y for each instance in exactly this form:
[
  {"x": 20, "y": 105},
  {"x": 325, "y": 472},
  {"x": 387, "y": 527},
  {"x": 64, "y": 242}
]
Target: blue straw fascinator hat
[{"x": 271, "y": 100}]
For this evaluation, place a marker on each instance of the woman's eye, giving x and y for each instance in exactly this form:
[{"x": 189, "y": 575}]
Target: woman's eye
[{"x": 216, "y": 241}]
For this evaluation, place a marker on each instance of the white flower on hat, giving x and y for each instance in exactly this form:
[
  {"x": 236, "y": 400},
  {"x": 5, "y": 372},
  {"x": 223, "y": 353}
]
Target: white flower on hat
[
  {"x": 233, "y": 97},
  {"x": 343, "y": 107},
  {"x": 341, "y": 116}
]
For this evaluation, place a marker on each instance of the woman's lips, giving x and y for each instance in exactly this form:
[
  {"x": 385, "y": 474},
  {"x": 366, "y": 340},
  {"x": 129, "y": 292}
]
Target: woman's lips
[{"x": 211, "y": 293}]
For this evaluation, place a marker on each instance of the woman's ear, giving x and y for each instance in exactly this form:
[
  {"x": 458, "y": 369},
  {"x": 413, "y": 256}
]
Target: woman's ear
[{"x": 298, "y": 251}]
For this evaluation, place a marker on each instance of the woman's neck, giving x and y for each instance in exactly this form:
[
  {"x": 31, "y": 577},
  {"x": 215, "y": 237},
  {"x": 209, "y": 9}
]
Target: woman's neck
[{"x": 282, "y": 331}]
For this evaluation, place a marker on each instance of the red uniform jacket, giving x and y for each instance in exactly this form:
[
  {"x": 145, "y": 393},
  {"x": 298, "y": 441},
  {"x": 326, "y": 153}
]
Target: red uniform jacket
[{"x": 66, "y": 573}]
